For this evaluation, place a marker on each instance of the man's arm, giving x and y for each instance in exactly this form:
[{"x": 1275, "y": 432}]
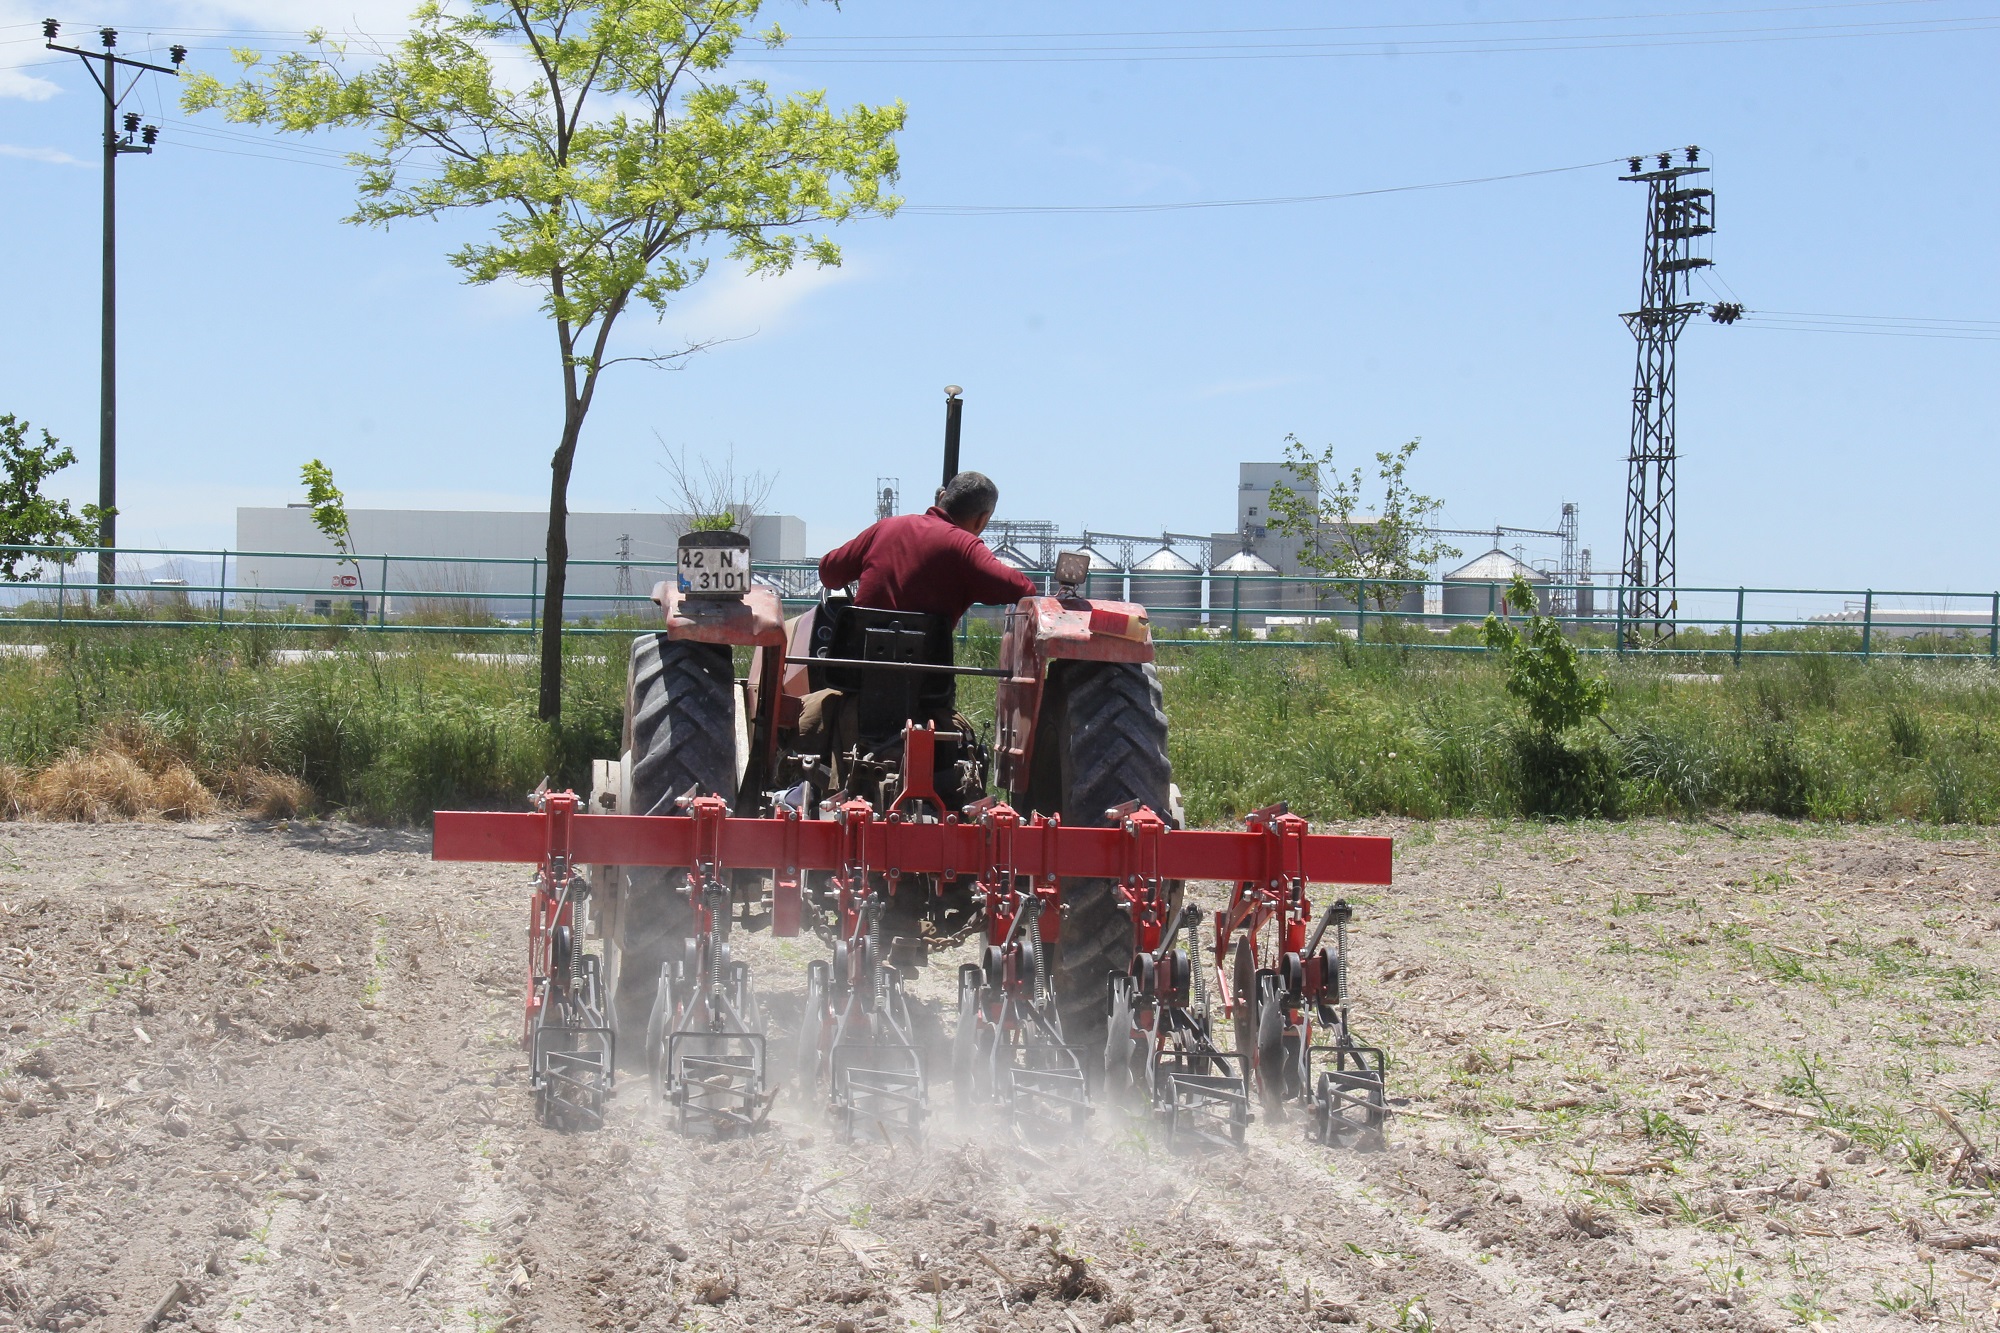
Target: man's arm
[
  {"x": 991, "y": 581},
  {"x": 842, "y": 565}
]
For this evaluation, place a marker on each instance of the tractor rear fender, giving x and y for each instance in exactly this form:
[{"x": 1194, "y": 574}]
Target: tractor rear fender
[
  {"x": 755, "y": 620},
  {"x": 1049, "y": 629}
]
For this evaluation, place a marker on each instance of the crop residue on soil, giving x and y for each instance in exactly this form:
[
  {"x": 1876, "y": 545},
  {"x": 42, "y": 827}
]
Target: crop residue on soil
[{"x": 1659, "y": 1076}]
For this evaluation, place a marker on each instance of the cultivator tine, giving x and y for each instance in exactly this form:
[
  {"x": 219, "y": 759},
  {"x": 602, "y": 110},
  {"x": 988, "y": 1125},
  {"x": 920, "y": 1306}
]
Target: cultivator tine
[
  {"x": 1203, "y": 1110},
  {"x": 718, "y": 1085},
  {"x": 570, "y": 1065},
  {"x": 1055, "y": 1098},
  {"x": 888, "y": 1097},
  {"x": 1349, "y": 1101}
]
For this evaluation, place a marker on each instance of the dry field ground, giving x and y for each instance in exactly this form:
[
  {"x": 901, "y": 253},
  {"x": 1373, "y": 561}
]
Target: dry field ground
[{"x": 1658, "y": 1076}]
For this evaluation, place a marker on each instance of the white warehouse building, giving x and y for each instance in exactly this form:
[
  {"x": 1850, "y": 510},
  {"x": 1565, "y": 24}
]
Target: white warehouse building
[{"x": 446, "y": 561}]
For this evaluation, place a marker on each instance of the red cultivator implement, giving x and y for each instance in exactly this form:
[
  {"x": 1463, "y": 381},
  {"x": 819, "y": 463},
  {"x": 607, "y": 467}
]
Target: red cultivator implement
[
  {"x": 837, "y": 789},
  {"x": 1010, "y": 1050}
]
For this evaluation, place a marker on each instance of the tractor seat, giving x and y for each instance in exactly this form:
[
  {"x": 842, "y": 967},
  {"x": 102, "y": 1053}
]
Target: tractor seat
[{"x": 887, "y": 699}]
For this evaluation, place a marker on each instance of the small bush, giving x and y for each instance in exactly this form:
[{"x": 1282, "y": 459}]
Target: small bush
[{"x": 1564, "y": 777}]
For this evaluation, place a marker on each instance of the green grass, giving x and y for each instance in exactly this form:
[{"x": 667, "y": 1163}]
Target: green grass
[
  {"x": 390, "y": 727},
  {"x": 1343, "y": 732},
  {"x": 383, "y": 730}
]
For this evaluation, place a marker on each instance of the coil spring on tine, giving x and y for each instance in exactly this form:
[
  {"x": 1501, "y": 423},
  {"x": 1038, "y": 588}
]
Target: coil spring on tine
[
  {"x": 1340, "y": 963},
  {"x": 1035, "y": 943},
  {"x": 875, "y": 952},
  {"x": 1195, "y": 965}
]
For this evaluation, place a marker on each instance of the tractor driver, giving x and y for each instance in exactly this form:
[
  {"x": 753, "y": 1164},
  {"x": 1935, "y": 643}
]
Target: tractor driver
[{"x": 932, "y": 562}]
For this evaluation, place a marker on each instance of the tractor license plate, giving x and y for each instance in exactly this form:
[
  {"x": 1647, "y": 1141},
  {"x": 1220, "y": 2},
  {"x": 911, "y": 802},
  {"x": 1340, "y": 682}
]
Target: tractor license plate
[{"x": 715, "y": 571}]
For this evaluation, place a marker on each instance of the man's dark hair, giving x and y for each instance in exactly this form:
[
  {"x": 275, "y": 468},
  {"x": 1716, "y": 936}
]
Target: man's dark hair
[{"x": 968, "y": 495}]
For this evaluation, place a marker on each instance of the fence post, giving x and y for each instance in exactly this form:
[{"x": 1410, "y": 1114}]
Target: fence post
[
  {"x": 1867, "y": 620},
  {"x": 1236, "y": 605},
  {"x": 1619, "y": 643},
  {"x": 534, "y": 592},
  {"x": 1993, "y": 635},
  {"x": 1739, "y": 627},
  {"x": 62, "y": 590},
  {"x": 382, "y": 595},
  {"x": 1361, "y": 612},
  {"x": 222, "y": 591}
]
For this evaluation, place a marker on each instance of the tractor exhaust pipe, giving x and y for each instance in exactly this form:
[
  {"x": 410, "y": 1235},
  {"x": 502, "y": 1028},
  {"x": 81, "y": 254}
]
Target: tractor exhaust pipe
[{"x": 954, "y": 409}]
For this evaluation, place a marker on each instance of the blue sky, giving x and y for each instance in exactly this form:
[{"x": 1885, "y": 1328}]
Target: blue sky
[{"x": 1116, "y": 366}]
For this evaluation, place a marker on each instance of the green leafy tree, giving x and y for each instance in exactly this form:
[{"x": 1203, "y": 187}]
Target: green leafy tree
[
  {"x": 1544, "y": 670},
  {"x": 1353, "y": 542},
  {"x": 611, "y": 173},
  {"x": 29, "y": 518},
  {"x": 329, "y": 512}
]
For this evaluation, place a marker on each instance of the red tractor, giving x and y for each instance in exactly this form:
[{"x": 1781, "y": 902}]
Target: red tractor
[{"x": 836, "y": 787}]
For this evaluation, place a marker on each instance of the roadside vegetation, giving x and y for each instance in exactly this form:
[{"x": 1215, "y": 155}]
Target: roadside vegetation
[
  {"x": 110, "y": 723},
  {"x": 1346, "y": 732},
  {"x": 386, "y": 728}
]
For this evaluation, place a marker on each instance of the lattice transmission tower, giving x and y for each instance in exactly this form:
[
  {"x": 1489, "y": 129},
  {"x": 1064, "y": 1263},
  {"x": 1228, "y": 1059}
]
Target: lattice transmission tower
[{"x": 1678, "y": 216}]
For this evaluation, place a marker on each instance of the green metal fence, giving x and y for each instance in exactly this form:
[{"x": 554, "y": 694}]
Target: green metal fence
[{"x": 291, "y": 590}]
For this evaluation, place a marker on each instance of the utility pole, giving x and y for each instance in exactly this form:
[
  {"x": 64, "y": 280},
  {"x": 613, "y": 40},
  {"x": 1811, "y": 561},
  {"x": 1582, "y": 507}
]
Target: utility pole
[
  {"x": 624, "y": 566},
  {"x": 1677, "y": 216},
  {"x": 954, "y": 411},
  {"x": 115, "y": 144}
]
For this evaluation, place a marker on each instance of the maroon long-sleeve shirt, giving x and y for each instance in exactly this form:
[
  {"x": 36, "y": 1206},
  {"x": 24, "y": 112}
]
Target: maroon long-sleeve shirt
[{"x": 922, "y": 562}]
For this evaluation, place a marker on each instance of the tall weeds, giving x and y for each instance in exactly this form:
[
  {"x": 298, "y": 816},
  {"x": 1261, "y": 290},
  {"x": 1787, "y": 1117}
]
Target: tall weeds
[
  {"x": 383, "y": 731},
  {"x": 1383, "y": 731},
  {"x": 390, "y": 728}
]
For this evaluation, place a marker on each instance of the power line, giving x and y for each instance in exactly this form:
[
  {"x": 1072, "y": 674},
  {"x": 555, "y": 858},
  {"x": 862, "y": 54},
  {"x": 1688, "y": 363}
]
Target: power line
[
  {"x": 1379, "y": 48},
  {"x": 846, "y": 52},
  {"x": 994, "y": 210},
  {"x": 1993, "y": 324},
  {"x": 1782, "y": 326},
  {"x": 1143, "y": 33}
]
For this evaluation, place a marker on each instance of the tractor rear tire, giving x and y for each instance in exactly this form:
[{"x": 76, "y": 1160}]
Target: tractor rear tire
[
  {"x": 680, "y": 730},
  {"x": 1108, "y": 730}
]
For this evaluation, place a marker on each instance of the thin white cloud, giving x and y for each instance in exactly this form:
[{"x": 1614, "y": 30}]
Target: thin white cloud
[
  {"x": 25, "y": 87},
  {"x": 730, "y": 303},
  {"x": 55, "y": 156}
]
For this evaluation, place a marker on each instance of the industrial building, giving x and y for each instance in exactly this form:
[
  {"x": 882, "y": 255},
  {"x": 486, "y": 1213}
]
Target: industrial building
[
  {"x": 469, "y": 562},
  {"x": 1254, "y": 573}
]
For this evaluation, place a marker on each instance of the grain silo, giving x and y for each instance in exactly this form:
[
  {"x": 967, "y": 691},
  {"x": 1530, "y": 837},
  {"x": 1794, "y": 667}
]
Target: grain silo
[
  {"x": 1478, "y": 587},
  {"x": 1243, "y": 586},
  {"x": 1168, "y": 585},
  {"x": 1106, "y": 579}
]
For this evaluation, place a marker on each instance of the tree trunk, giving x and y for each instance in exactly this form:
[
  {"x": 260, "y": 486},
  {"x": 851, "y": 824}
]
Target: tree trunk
[{"x": 558, "y": 562}]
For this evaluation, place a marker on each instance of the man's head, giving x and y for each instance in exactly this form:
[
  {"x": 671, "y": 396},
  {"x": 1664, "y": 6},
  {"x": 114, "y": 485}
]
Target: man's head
[{"x": 969, "y": 500}]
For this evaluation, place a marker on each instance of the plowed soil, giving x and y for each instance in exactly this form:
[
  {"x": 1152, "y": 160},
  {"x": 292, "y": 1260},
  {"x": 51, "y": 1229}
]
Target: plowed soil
[{"x": 1651, "y": 1076}]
